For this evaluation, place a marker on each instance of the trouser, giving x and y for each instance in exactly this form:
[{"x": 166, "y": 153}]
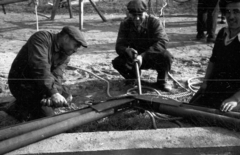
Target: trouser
[
  {"x": 207, "y": 16},
  {"x": 161, "y": 62},
  {"x": 28, "y": 96}
]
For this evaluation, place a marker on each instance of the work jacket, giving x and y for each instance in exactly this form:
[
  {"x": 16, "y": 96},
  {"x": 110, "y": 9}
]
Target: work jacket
[
  {"x": 150, "y": 39},
  {"x": 40, "y": 62}
]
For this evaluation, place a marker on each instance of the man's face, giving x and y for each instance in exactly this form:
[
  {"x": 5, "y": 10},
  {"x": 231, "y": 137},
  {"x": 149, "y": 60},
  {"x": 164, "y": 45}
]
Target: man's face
[
  {"x": 233, "y": 15},
  {"x": 137, "y": 19},
  {"x": 70, "y": 45}
]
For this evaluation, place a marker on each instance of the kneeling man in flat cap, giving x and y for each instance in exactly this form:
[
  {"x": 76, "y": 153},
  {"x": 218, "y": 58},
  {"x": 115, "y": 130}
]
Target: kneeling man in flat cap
[
  {"x": 142, "y": 35},
  {"x": 35, "y": 77}
]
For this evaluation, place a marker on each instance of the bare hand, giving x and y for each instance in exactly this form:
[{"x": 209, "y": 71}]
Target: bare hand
[
  {"x": 58, "y": 100},
  {"x": 131, "y": 53},
  {"x": 229, "y": 104},
  {"x": 139, "y": 59}
]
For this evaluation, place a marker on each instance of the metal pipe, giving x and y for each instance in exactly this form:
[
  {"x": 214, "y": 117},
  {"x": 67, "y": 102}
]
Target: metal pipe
[
  {"x": 54, "y": 129},
  {"x": 138, "y": 78},
  {"x": 19, "y": 129},
  {"x": 213, "y": 111},
  {"x": 202, "y": 116},
  {"x": 167, "y": 101}
]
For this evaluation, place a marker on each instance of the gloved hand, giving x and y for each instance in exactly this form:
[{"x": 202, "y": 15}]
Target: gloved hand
[{"x": 131, "y": 53}]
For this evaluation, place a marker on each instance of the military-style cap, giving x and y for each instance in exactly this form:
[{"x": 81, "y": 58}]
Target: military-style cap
[
  {"x": 76, "y": 34},
  {"x": 137, "y": 6}
]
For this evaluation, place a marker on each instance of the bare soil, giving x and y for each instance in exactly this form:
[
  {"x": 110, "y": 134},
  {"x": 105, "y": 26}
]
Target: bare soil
[{"x": 191, "y": 59}]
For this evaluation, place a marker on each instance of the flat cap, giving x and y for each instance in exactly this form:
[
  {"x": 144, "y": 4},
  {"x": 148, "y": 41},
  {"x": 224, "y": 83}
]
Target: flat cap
[
  {"x": 224, "y": 3},
  {"x": 137, "y": 6},
  {"x": 76, "y": 34}
]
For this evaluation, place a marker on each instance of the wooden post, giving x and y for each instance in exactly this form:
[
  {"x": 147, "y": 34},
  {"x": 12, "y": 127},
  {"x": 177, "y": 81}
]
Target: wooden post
[
  {"x": 70, "y": 8},
  {"x": 4, "y": 11},
  {"x": 157, "y": 4},
  {"x": 81, "y": 14},
  {"x": 99, "y": 13},
  {"x": 54, "y": 10},
  {"x": 149, "y": 6}
]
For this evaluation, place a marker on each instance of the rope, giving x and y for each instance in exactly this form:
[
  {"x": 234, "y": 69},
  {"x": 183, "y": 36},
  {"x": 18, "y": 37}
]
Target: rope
[
  {"x": 153, "y": 115},
  {"x": 108, "y": 84}
]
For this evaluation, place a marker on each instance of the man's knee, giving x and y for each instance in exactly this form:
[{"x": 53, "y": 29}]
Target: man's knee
[
  {"x": 162, "y": 61},
  {"x": 118, "y": 63}
]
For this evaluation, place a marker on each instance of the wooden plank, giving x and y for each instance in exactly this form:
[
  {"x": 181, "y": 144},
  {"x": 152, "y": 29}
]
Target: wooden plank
[
  {"x": 3, "y": 2},
  {"x": 4, "y": 11}
]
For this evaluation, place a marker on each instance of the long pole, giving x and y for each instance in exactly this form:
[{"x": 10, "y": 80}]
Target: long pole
[
  {"x": 99, "y": 13},
  {"x": 81, "y": 4}
]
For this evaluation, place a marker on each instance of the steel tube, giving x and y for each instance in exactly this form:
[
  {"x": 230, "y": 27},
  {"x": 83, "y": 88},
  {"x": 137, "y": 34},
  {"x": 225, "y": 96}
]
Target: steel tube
[
  {"x": 16, "y": 130},
  {"x": 40, "y": 134},
  {"x": 138, "y": 78},
  {"x": 213, "y": 111},
  {"x": 221, "y": 120}
]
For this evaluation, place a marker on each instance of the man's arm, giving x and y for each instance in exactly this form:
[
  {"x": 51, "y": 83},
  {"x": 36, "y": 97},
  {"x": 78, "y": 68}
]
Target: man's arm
[
  {"x": 232, "y": 103},
  {"x": 59, "y": 70},
  {"x": 158, "y": 37},
  {"x": 208, "y": 75},
  {"x": 122, "y": 40},
  {"x": 38, "y": 60}
]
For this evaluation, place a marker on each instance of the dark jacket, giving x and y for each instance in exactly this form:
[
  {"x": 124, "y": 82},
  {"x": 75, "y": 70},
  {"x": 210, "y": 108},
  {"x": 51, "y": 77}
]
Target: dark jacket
[
  {"x": 152, "y": 37},
  {"x": 40, "y": 62}
]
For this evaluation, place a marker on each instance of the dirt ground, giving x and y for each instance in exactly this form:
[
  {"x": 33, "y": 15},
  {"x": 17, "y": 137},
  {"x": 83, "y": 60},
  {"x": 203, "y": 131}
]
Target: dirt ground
[{"x": 191, "y": 56}]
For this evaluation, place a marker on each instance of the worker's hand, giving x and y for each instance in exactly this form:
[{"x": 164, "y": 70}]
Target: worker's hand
[
  {"x": 58, "y": 100},
  {"x": 229, "y": 104},
  {"x": 131, "y": 53},
  {"x": 139, "y": 60}
]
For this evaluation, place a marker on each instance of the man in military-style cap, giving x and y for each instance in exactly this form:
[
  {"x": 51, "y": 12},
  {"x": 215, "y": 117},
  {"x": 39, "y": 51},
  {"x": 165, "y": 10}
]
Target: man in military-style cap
[
  {"x": 144, "y": 35},
  {"x": 35, "y": 77}
]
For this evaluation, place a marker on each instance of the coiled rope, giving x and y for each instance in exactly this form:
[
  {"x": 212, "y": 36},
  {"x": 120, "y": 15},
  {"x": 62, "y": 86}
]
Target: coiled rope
[{"x": 153, "y": 115}]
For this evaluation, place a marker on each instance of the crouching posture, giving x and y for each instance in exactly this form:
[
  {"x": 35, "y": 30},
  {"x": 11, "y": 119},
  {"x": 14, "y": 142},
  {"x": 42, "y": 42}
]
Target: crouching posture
[
  {"x": 36, "y": 74},
  {"x": 221, "y": 86},
  {"x": 142, "y": 35}
]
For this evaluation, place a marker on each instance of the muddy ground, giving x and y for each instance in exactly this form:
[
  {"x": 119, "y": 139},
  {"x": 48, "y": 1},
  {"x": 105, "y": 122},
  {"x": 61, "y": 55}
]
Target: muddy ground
[{"x": 191, "y": 57}]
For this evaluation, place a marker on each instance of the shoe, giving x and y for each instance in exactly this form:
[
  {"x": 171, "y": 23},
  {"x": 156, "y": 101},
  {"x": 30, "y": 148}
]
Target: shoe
[
  {"x": 200, "y": 36},
  {"x": 164, "y": 87},
  {"x": 210, "y": 39}
]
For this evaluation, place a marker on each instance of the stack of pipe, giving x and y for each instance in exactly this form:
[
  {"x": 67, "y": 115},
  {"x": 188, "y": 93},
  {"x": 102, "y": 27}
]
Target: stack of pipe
[
  {"x": 15, "y": 137},
  {"x": 18, "y": 136}
]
